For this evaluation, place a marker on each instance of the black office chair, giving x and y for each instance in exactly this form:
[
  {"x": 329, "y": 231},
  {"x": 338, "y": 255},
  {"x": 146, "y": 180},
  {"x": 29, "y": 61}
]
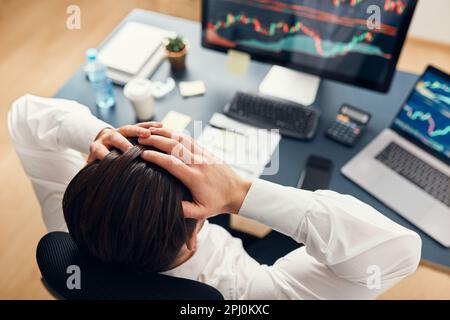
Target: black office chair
[{"x": 56, "y": 251}]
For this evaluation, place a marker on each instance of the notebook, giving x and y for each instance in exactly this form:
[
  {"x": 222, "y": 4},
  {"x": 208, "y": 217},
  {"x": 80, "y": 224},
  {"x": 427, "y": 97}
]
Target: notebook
[{"x": 130, "y": 51}]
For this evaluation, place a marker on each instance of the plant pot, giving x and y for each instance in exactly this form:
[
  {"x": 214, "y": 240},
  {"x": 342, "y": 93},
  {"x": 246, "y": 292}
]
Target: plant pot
[{"x": 177, "y": 59}]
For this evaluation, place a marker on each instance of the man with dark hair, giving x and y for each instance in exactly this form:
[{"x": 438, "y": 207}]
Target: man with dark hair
[
  {"x": 126, "y": 211},
  {"x": 125, "y": 205}
]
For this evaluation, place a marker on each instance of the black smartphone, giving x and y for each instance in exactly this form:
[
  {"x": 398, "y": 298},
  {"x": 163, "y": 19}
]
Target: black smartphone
[{"x": 317, "y": 174}]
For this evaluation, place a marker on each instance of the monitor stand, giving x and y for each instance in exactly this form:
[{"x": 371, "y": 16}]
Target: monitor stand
[{"x": 291, "y": 85}]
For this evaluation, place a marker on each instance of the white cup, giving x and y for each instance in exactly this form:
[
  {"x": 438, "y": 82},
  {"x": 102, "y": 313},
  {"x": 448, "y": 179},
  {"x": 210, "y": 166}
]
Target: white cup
[{"x": 139, "y": 92}]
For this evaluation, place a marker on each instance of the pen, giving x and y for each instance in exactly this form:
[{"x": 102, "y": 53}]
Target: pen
[{"x": 226, "y": 129}]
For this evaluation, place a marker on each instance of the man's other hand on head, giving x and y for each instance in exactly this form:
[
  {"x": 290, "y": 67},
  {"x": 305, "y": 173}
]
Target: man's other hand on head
[
  {"x": 214, "y": 186},
  {"x": 109, "y": 138}
]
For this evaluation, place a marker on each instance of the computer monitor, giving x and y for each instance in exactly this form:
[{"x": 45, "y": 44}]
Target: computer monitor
[
  {"x": 352, "y": 41},
  {"x": 424, "y": 118}
]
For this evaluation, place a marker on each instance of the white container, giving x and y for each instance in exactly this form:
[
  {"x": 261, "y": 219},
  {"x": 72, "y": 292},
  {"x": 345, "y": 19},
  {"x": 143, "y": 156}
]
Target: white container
[{"x": 139, "y": 92}]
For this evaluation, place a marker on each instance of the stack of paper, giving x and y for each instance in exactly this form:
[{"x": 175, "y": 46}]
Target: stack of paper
[
  {"x": 135, "y": 51},
  {"x": 245, "y": 148}
]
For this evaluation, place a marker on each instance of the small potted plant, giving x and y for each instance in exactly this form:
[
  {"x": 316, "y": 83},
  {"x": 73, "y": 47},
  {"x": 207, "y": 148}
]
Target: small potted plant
[{"x": 176, "y": 49}]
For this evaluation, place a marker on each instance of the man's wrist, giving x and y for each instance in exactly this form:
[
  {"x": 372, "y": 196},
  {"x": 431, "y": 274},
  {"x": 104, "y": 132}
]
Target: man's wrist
[{"x": 239, "y": 195}]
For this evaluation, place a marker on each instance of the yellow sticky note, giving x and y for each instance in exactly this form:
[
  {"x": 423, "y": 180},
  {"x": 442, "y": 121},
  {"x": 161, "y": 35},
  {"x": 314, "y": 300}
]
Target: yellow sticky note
[
  {"x": 192, "y": 88},
  {"x": 176, "y": 121},
  {"x": 237, "y": 62}
]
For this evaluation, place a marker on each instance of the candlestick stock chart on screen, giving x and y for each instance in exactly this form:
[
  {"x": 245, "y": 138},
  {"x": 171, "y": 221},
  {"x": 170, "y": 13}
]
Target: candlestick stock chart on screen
[{"x": 329, "y": 36}]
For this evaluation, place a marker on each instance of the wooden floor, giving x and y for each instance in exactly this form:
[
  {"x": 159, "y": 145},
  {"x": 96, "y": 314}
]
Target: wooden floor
[{"x": 38, "y": 54}]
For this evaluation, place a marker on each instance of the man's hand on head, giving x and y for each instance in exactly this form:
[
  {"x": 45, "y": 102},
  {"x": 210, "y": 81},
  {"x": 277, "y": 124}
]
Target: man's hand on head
[
  {"x": 214, "y": 186},
  {"x": 109, "y": 138}
]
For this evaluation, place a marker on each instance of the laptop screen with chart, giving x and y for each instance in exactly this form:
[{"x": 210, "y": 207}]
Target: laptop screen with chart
[
  {"x": 353, "y": 41},
  {"x": 425, "y": 116}
]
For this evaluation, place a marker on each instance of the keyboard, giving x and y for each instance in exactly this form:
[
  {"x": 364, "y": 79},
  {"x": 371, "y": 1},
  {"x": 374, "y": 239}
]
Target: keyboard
[
  {"x": 412, "y": 168},
  {"x": 292, "y": 119}
]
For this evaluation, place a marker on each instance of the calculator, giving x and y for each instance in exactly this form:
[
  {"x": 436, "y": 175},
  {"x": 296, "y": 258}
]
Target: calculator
[{"x": 349, "y": 125}]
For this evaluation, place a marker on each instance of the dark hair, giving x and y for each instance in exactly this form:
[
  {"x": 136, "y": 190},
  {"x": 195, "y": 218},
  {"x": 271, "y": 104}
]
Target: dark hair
[{"x": 127, "y": 212}]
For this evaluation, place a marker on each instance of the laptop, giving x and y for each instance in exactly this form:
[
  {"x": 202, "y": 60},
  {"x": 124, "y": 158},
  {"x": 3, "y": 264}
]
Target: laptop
[{"x": 407, "y": 166}]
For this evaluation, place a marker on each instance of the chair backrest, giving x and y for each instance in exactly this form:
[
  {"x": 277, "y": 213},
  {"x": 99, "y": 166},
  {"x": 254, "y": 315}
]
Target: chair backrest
[{"x": 56, "y": 252}]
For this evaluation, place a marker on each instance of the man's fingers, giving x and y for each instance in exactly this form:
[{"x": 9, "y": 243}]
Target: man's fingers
[
  {"x": 101, "y": 152},
  {"x": 169, "y": 133},
  {"x": 159, "y": 142},
  {"x": 192, "y": 210},
  {"x": 120, "y": 142},
  {"x": 134, "y": 131},
  {"x": 184, "y": 139},
  {"x": 97, "y": 151},
  {"x": 165, "y": 132},
  {"x": 169, "y": 146},
  {"x": 173, "y": 165},
  {"x": 183, "y": 154},
  {"x": 150, "y": 124}
]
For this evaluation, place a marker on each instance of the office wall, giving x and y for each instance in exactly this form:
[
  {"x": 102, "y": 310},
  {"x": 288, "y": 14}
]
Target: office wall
[{"x": 432, "y": 21}]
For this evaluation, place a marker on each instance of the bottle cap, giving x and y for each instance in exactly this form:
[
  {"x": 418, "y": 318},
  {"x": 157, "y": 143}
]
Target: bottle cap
[{"x": 91, "y": 54}]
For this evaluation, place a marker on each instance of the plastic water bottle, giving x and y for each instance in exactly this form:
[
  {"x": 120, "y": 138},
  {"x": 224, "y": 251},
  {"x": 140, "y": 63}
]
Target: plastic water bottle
[{"x": 102, "y": 85}]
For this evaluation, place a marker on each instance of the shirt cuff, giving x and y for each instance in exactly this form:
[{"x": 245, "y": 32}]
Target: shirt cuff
[
  {"x": 81, "y": 130},
  {"x": 281, "y": 208}
]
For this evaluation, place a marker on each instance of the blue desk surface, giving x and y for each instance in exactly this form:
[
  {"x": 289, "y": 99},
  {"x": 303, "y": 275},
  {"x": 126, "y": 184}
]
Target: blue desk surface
[{"x": 209, "y": 66}]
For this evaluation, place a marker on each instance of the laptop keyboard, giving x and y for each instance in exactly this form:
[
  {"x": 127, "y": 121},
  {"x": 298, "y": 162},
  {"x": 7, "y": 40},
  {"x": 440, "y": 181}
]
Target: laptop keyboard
[{"x": 429, "y": 179}]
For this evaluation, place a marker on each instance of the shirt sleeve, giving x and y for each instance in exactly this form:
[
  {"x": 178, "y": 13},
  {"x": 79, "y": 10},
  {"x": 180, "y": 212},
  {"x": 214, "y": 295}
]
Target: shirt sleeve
[
  {"x": 351, "y": 250},
  {"x": 49, "y": 136}
]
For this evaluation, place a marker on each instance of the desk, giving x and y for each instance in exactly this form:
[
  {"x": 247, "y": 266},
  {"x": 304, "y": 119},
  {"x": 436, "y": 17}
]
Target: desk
[{"x": 209, "y": 66}]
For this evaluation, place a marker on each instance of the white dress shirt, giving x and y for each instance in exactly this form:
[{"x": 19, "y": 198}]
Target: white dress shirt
[{"x": 351, "y": 251}]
